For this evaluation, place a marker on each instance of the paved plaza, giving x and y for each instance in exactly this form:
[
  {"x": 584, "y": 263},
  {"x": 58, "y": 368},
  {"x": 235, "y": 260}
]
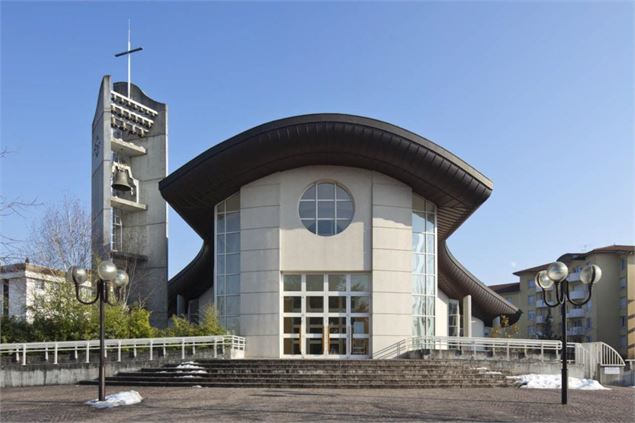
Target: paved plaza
[{"x": 65, "y": 404}]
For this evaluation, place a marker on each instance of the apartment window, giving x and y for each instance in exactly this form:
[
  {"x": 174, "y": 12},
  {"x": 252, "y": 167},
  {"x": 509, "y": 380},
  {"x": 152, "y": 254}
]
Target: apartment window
[
  {"x": 588, "y": 323},
  {"x": 623, "y": 341},
  {"x": 623, "y": 282},
  {"x": 5, "y": 298},
  {"x": 39, "y": 286},
  {"x": 623, "y": 264},
  {"x": 623, "y": 321},
  {"x": 531, "y": 284},
  {"x": 509, "y": 300},
  {"x": 531, "y": 315},
  {"x": 531, "y": 331},
  {"x": 531, "y": 300},
  {"x": 623, "y": 302}
]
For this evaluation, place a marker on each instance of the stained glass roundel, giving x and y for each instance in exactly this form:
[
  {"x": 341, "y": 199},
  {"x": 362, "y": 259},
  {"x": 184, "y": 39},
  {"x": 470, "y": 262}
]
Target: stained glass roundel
[{"x": 326, "y": 208}]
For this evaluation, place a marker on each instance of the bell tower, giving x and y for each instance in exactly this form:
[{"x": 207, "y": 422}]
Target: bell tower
[{"x": 129, "y": 216}]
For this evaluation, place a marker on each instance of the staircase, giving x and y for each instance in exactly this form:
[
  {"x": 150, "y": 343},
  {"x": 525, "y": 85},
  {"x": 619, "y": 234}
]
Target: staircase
[{"x": 313, "y": 374}]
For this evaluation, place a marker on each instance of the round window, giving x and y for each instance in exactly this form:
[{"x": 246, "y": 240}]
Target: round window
[{"x": 326, "y": 208}]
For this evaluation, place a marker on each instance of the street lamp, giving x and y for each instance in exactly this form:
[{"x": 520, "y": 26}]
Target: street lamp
[
  {"x": 109, "y": 275},
  {"x": 555, "y": 277}
]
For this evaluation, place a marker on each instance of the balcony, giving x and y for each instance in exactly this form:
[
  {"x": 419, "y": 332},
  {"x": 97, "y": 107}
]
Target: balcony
[
  {"x": 126, "y": 148},
  {"x": 575, "y": 313},
  {"x": 578, "y": 294},
  {"x": 576, "y": 331}
]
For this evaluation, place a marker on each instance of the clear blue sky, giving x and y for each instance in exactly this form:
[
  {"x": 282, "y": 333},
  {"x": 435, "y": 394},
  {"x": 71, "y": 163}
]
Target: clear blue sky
[{"x": 536, "y": 95}]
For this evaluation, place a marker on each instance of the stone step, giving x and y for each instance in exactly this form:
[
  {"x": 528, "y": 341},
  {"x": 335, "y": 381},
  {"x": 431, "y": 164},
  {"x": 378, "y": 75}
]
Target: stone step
[{"x": 140, "y": 375}]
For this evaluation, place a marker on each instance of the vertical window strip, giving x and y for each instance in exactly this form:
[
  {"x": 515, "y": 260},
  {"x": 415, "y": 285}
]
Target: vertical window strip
[
  {"x": 424, "y": 269},
  {"x": 227, "y": 298}
]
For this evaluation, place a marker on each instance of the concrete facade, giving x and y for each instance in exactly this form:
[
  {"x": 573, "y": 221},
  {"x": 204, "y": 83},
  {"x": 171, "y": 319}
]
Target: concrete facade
[
  {"x": 129, "y": 135},
  {"x": 377, "y": 242}
]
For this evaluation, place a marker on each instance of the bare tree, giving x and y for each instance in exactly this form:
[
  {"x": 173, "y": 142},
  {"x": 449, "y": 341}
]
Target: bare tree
[
  {"x": 62, "y": 237},
  {"x": 9, "y": 246}
]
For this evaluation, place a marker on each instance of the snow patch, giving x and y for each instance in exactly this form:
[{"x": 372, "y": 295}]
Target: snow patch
[
  {"x": 542, "y": 381},
  {"x": 197, "y": 386},
  {"x": 493, "y": 373},
  {"x": 115, "y": 400},
  {"x": 189, "y": 365}
]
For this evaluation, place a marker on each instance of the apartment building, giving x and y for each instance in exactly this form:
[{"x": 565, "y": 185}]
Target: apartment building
[{"x": 608, "y": 317}]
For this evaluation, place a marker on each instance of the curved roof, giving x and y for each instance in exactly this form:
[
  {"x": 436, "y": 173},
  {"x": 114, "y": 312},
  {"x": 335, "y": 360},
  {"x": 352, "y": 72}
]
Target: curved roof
[{"x": 332, "y": 139}]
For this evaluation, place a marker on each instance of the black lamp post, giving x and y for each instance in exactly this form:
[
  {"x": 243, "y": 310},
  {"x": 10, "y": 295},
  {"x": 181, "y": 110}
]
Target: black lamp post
[
  {"x": 555, "y": 277},
  {"x": 108, "y": 275}
]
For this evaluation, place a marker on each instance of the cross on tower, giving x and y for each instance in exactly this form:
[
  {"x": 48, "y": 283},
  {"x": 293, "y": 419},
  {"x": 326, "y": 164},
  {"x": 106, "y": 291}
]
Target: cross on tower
[{"x": 129, "y": 53}]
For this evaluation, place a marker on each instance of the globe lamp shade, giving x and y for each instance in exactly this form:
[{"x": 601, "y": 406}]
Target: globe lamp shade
[
  {"x": 121, "y": 280},
  {"x": 76, "y": 275},
  {"x": 590, "y": 274},
  {"x": 543, "y": 281},
  {"x": 107, "y": 270},
  {"x": 557, "y": 271}
]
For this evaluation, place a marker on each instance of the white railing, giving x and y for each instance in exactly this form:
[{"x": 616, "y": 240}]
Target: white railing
[
  {"x": 473, "y": 345},
  {"x": 601, "y": 355},
  {"x": 221, "y": 346}
]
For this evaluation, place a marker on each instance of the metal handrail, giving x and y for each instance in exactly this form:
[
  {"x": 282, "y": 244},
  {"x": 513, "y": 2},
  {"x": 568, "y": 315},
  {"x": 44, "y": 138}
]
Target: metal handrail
[
  {"x": 474, "y": 344},
  {"x": 224, "y": 342}
]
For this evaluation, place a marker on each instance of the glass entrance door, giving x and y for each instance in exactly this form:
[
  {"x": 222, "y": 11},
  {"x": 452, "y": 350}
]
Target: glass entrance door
[{"x": 326, "y": 315}]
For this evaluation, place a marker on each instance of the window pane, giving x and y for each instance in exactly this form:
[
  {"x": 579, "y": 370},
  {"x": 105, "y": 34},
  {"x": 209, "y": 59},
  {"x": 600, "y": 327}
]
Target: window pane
[
  {"x": 314, "y": 346},
  {"x": 430, "y": 223},
  {"x": 360, "y": 305},
  {"x": 344, "y": 209},
  {"x": 337, "y": 304},
  {"x": 418, "y": 222},
  {"x": 310, "y": 225},
  {"x": 220, "y": 224},
  {"x": 337, "y": 282},
  {"x": 418, "y": 245},
  {"x": 360, "y": 325},
  {"x": 359, "y": 347},
  {"x": 292, "y": 346},
  {"x": 337, "y": 325},
  {"x": 309, "y": 194},
  {"x": 342, "y": 194},
  {"x": 220, "y": 244},
  {"x": 233, "y": 242},
  {"x": 360, "y": 283},
  {"x": 233, "y": 305},
  {"x": 430, "y": 243},
  {"x": 221, "y": 306},
  {"x": 233, "y": 284},
  {"x": 233, "y": 325},
  {"x": 418, "y": 305},
  {"x": 292, "y": 324},
  {"x": 430, "y": 285},
  {"x": 430, "y": 264},
  {"x": 233, "y": 263},
  {"x": 314, "y": 325},
  {"x": 292, "y": 283},
  {"x": 233, "y": 222},
  {"x": 326, "y": 227},
  {"x": 314, "y": 282},
  {"x": 220, "y": 285},
  {"x": 233, "y": 203},
  {"x": 418, "y": 263},
  {"x": 220, "y": 264},
  {"x": 307, "y": 209},
  {"x": 337, "y": 346},
  {"x": 326, "y": 209},
  {"x": 292, "y": 304},
  {"x": 326, "y": 191},
  {"x": 314, "y": 304},
  {"x": 418, "y": 285}
]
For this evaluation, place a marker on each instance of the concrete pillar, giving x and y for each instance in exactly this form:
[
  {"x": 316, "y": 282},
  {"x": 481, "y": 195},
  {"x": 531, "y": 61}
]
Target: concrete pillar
[
  {"x": 180, "y": 305},
  {"x": 467, "y": 316}
]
